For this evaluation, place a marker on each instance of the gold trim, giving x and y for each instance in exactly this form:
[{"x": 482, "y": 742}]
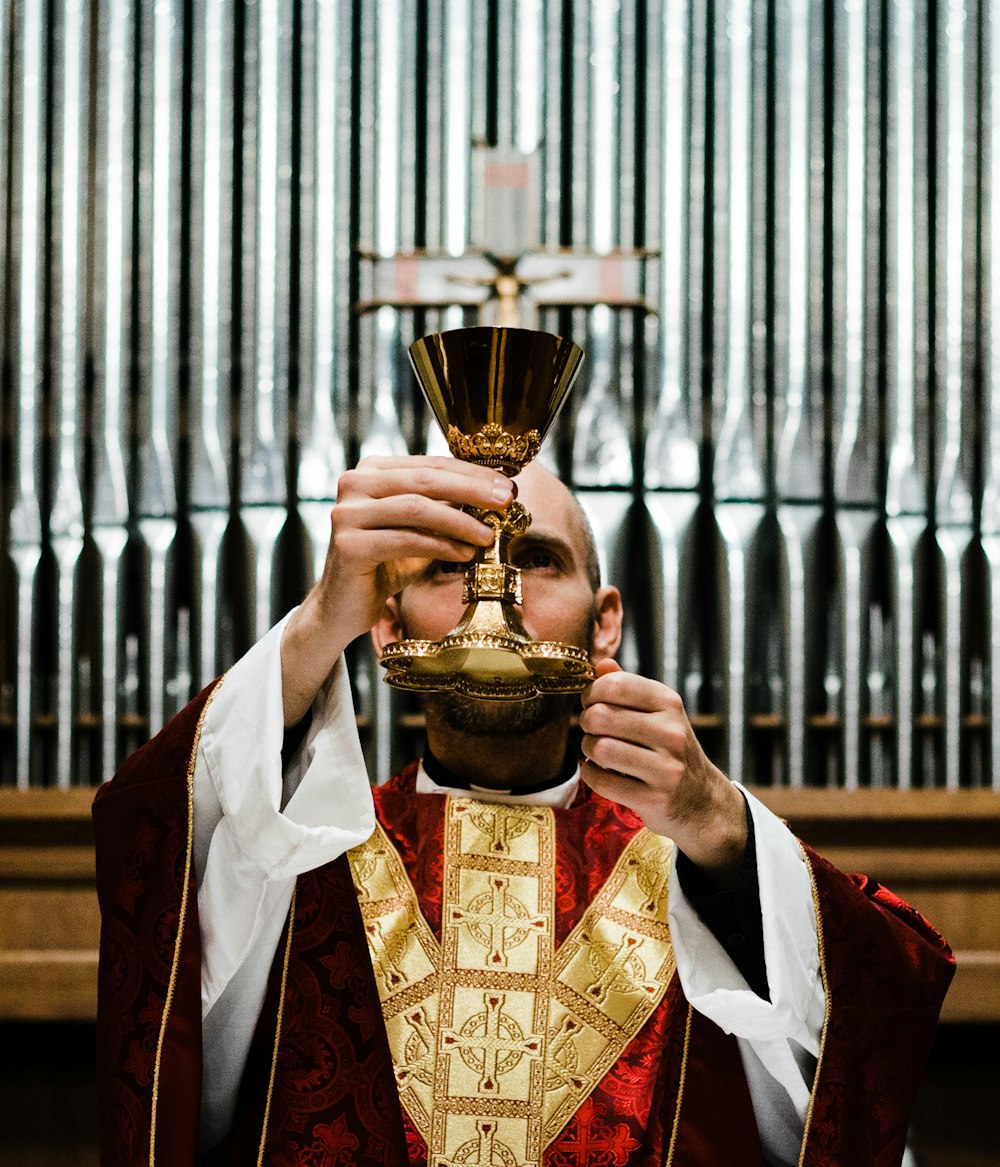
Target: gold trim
[
  {"x": 277, "y": 1025},
  {"x": 827, "y": 1005},
  {"x": 680, "y": 1088},
  {"x": 181, "y": 920}
]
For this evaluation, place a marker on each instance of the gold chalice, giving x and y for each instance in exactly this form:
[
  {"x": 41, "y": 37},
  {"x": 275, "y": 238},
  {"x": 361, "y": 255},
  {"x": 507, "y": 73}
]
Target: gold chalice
[{"x": 495, "y": 393}]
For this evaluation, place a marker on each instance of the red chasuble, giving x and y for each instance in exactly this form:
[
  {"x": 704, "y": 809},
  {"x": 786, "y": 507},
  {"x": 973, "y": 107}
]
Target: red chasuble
[{"x": 366, "y": 972}]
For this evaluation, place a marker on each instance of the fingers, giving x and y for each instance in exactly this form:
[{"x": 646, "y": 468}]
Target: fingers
[
  {"x": 444, "y": 479},
  {"x": 412, "y": 512}
]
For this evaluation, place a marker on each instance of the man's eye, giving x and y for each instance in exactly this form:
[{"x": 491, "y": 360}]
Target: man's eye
[
  {"x": 444, "y": 567},
  {"x": 537, "y": 560}
]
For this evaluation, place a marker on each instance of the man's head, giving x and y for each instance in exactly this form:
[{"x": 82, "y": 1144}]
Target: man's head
[{"x": 563, "y": 601}]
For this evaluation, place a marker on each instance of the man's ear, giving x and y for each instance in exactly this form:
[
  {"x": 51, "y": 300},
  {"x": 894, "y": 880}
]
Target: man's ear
[
  {"x": 389, "y": 627},
  {"x": 608, "y": 616}
]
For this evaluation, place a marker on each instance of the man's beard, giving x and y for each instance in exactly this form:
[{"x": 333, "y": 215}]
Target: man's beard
[
  {"x": 480, "y": 718},
  {"x": 498, "y": 718}
]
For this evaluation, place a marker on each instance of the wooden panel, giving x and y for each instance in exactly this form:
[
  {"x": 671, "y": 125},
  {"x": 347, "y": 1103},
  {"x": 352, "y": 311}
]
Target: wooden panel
[{"x": 49, "y": 920}]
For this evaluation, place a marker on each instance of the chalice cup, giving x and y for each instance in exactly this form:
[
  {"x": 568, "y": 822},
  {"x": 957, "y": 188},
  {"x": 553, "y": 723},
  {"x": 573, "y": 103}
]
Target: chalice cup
[{"x": 495, "y": 393}]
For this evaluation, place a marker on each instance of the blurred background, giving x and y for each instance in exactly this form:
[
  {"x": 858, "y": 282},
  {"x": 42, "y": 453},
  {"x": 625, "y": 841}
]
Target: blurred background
[{"x": 769, "y": 225}]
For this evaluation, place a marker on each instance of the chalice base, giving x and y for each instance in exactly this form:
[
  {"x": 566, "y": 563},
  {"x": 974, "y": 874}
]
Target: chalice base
[{"x": 487, "y": 656}]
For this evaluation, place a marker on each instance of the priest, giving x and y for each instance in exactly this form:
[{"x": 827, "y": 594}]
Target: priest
[{"x": 529, "y": 947}]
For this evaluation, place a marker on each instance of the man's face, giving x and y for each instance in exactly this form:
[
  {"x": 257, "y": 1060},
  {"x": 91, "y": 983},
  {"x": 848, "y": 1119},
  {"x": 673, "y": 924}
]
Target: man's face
[{"x": 558, "y": 605}]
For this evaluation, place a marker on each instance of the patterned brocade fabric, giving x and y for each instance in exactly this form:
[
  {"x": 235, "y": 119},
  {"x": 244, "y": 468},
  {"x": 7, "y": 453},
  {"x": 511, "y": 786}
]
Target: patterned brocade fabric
[{"x": 505, "y": 906}]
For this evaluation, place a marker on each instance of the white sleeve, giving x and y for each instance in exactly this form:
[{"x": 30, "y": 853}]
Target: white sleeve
[
  {"x": 779, "y": 1039},
  {"x": 256, "y": 829}
]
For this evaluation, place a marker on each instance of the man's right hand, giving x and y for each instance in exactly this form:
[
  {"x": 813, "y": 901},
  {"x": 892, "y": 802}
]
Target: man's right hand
[{"x": 392, "y": 516}]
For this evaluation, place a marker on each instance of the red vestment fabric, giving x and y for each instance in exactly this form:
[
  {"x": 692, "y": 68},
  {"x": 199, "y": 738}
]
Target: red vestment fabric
[{"x": 331, "y": 1097}]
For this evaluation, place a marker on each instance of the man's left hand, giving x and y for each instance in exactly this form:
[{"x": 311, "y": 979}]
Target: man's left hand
[{"x": 642, "y": 753}]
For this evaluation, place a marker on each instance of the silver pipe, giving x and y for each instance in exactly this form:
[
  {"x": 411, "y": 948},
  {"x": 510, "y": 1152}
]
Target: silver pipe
[
  {"x": 991, "y": 547},
  {"x": 264, "y": 471},
  {"x": 602, "y": 450},
  {"x": 323, "y": 458},
  {"x": 954, "y": 498},
  {"x": 384, "y": 435},
  {"x": 531, "y": 76},
  {"x": 953, "y": 542},
  {"x": 66, "y": 517},
  {"x": 210, "y": 527},
  {"x": 110, "y": 502},
  {"x": 855, "y": 529},
  {"x": 25, "y": 518},
  {"x": 854, "y": 463},
  {"x": 991, "y": 398},
  {"x": 158, "y": 496},
  {"x": 904, "y": 492},
  {"x": 737, "y": 471},
  {"x": 671, "y": 455},
  {"x": 553, "y": 130},
  {"x": 608, "y": 513},
  {"x": 797, "y": 474},
  {"x": 157, "y": 504},
  {"x": 798, "y": 526},
  {"x": 158, "y": 535},
  {"x": 904, "y": 532},
  {"x": 110, "y": 542},
  {"x": 263, "y": 525},
  {"x": 209, "y": 488},
  {"x": 738, "y": 523},
  {"x": 671, "y": 514},
  {"x": 25, "y": 556},
  {"x": 581, "y": 191},
  {"x": 506, "y": 69}
]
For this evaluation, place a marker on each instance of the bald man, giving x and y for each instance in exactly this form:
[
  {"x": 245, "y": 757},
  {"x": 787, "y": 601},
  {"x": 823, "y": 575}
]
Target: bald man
[{"x": 507, "y": 954}]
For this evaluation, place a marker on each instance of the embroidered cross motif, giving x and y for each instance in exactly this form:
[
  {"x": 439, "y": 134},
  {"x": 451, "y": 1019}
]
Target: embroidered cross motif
[
  {"x": 620, "y": 970},
  {"x": 418, "y": 1050},
  {"x": 365, "y": 863},
  {"x": 498, "y": 921},
  {"x": 484, "y": 1151},
  {"x": 652, "y": 877},
  {"x": 496, "y": 823},
  {"x": 385, "y": 953},
  {"x": 563, "y": 1059},
  {"x": 597, "y": 1142},
  {"x": 491, "y": 1043}
]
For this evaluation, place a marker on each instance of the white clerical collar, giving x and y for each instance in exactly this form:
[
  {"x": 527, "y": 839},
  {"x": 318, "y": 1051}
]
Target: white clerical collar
[{"x": 558, "y": 797}]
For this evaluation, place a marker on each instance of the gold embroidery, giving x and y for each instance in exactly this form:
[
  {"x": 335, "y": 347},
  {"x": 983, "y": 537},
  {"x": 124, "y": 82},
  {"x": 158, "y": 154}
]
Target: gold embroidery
[
  {"x": 277, "y": 1028},
  {"x": 827, "y": 1007},
  {"x": 496, "y": 1038},
  {"x": 181, "y": 920},
  {"x": 680, "y": 1088}
]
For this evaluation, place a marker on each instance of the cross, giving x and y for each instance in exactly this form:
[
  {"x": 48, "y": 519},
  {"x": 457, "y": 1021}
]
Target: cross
[
  {"x": 592, "y": 1141},
  {"x": 480, "y": 1153},
  {"x": 485, "y": 1038},
  {"x": 562, "y": 1058},
  {"x": 651, "y": 877},
  {"x": 617, "y": 974},
  {"x": 498, "y": 823},
  {"x": 420, "y": 1067},
  {"x": 500, "y": 919},
  {"x": 507, "y": 275},
  {"x": 382, "y": 960}
]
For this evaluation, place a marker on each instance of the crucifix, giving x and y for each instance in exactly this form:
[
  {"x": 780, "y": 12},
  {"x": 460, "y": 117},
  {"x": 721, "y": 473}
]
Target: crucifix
[{"x": 506, "y": 273}]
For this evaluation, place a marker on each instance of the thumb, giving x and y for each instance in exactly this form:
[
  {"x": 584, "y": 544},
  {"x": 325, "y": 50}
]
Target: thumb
[{"x": 601, "y": 669}]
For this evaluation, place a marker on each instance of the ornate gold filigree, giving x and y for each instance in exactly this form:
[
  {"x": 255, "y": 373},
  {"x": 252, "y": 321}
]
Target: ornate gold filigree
[{"x": 496, "y": 447}]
